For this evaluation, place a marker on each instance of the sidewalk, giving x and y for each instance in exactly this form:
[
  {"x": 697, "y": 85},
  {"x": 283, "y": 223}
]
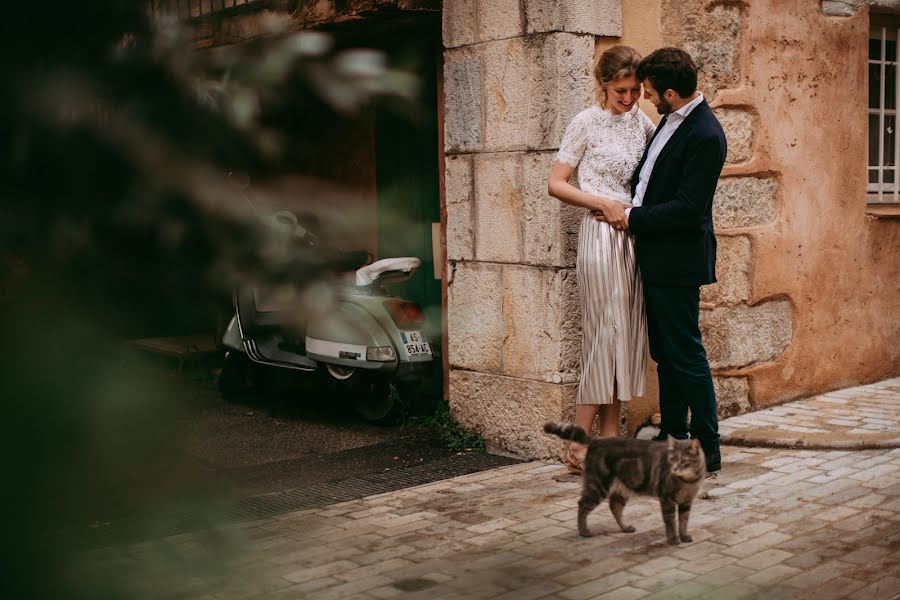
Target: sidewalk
[
  {"x": 855, "y": 418},
  {"x": 775, "y": 523}
]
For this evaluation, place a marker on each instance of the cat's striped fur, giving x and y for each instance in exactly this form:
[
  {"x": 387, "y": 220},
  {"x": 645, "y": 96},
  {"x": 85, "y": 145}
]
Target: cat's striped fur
[{"x": 617, "y": 468}]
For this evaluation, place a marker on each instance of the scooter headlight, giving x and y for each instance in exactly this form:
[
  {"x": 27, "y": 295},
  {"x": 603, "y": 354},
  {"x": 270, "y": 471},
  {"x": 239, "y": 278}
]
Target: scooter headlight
[{"x": 380, "y": 353}]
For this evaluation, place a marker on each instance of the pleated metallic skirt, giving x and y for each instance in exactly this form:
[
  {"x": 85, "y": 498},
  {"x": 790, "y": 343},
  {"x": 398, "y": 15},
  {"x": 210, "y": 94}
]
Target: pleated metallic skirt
[{"x": 614, "y": 325}]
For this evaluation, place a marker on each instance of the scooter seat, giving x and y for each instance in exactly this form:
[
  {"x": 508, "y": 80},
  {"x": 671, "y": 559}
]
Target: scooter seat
[{"x": 388, "y": 270}]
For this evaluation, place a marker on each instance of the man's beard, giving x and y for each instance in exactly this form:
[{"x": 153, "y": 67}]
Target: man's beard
[{"x": 663, "y": 107}]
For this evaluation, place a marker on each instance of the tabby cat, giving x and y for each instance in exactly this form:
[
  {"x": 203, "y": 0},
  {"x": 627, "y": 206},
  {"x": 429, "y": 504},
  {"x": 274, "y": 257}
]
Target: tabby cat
[{"x": 672, "y": 471}]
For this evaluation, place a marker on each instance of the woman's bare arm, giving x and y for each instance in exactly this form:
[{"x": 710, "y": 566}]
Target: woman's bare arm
[{"x": 559, "y": 187}]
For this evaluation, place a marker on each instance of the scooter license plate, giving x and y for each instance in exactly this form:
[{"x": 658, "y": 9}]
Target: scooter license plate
[{"x": 415, "y": 342}]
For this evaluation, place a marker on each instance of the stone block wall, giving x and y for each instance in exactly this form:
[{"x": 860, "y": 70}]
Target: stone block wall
[
  {"x": 515, "y": 73},
  {"x": 849, "y": 8},
  {"x": 512, "y": 83},
  {"x": 806, "y": 297},
  {"x": 740, "y": 331}
]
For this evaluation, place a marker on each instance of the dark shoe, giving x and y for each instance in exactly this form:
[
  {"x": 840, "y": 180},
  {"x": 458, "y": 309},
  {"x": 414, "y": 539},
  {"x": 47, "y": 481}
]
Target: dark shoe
[
  {"x": 712, "y": 468},
  {"x": 663, "y": 437}
]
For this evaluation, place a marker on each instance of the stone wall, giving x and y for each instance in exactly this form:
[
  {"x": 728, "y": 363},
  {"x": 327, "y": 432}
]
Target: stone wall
[
  {"x": 848, "y": 8},
  {"x": 806, "y": 299},
  {"x": 513, "y": 319},
  {"x": 515, "y": 73},
  {"x": 823, "y": 298},
  {"x": 807, "y": 296}
]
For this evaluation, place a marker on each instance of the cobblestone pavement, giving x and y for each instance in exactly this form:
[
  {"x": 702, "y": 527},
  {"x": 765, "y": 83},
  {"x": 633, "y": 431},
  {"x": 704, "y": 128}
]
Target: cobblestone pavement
[
  {"x": 860, "y": 417},
  {"x": 776, "y": 523}
]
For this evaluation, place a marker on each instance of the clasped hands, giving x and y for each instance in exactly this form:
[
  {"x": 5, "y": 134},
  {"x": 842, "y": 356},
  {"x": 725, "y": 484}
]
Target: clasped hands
[{"x": 611, "y": 212}]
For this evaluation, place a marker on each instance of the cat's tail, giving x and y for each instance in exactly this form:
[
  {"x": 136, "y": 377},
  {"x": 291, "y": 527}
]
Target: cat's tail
[{"x": 568, "y": 431}]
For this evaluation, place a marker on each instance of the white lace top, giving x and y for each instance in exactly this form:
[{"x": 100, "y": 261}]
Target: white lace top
[{"x": 606, "y": 148}]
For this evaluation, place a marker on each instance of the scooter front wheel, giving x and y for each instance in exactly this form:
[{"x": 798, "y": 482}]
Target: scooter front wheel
[{"x": 369, "y": 395}]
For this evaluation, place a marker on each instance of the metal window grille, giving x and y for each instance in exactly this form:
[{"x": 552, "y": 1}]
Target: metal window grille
[
  {"x": 192, "y": 9},
  {"x": 884, "y": 141}
]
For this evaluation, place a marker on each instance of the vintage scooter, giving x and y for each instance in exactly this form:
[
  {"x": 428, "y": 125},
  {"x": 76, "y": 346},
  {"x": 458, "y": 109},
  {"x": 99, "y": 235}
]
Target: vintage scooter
[{"x": 353, "y": 333}]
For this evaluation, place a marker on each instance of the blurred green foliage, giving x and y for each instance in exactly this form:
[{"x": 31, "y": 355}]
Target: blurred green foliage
[
  {"x": 451, "y": 433},
  {"x": 117, "y": 212}
]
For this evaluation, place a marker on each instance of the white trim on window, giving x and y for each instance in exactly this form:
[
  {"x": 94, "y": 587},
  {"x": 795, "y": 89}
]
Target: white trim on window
[{"x": 882, "y": 191}]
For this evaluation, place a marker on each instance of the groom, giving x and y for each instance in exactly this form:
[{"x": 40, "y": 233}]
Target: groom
[{"x": 671, "y": 219}]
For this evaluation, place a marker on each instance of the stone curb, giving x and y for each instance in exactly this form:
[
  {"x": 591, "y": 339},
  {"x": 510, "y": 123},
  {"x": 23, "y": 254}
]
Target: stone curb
[{"x": 785, "y": 441}]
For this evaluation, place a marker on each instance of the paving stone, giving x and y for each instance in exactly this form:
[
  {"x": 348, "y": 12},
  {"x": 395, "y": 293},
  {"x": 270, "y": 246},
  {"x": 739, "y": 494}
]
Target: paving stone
[
  {"x": 492, "y": 525},
  {"x": 724, "y": 575},
  {"x": 546, "y": 532},
  {"x": 793, "y": 477},
  {"x": 684, "y": 590},
  {"x": 623, "y": 593},
  {"x": 836, "y": 514},
  {"x": 601, "y": 585},
  {"x": 540, "y": 568},
  {"x": 537, "y": 590},
  {"x": 835, "y": 589},
  {"x": 885, "y": 485},
  {"x": 873, "y": 472},
  {"x": 595, "y": 570},
  {"x": 815, "y": 577},
  {"x": 799, "y": 464},
  {"x": 769, "y": 530},
  {"x": 858, "y": 523},
  {"x": 657, "y": 565},
  {"x": 661, "y": 582},
  {"x": 378, "y": 568},
  {"x": 327, "y": 569},
  {"x": 885, "y": 588},
  {"x": 711, "y": 563},
  {"x": 754, "y": 545},
  {"x": 733, "y": 591},
  {"x": 846, "y": 418},
  {"x": 747, "y": 532},
  {"x": 765, "y": 559},
  {"x": 697, "y": 550},
  {"x": 773, "y": 574},
  {"x": 298, "y": 590},
  {"x": 386, "y": 554}
]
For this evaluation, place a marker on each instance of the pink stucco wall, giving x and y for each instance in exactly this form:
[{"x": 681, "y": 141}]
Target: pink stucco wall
[{"x": 805, "y": 75}]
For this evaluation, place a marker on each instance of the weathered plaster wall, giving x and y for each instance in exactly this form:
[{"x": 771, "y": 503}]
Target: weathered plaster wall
[
  {"x": 818, "y": 261},
  {"x": 808, "y": 282}
]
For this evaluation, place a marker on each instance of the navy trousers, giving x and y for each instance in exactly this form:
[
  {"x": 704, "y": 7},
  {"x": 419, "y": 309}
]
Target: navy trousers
[{"x": 685, "y": 381}]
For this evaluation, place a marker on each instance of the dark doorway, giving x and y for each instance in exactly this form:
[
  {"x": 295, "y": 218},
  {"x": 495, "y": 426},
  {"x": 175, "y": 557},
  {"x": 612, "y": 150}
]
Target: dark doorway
[{"x": 407, "y": 178}]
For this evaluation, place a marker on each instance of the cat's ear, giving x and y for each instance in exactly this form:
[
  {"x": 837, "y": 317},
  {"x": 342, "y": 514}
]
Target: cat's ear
[
  {"x": 695, "y": 444},
  {"x": 671, "y": 442}
]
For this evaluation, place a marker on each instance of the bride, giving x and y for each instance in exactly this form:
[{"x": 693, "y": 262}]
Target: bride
[{"x": 604, "y": 145}]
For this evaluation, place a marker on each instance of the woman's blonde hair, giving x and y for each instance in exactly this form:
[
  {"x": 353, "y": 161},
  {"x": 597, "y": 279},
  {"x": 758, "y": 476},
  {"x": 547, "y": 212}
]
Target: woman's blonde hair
[{"x": 615, "y": 63}]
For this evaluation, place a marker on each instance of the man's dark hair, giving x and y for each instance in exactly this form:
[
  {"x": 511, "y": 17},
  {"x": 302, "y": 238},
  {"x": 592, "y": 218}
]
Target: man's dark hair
[{"x": 669, "y": 68}]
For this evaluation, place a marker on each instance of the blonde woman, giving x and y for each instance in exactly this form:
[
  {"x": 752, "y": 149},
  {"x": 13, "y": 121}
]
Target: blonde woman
[{"x": 604, "y": 144}]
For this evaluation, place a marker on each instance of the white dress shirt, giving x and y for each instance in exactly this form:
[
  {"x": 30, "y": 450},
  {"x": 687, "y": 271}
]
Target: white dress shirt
[{"x": 673, "y": 122}]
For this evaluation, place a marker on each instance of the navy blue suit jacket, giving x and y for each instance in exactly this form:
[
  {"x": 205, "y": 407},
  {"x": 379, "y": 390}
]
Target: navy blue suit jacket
[{"x": 674, "y": 240}]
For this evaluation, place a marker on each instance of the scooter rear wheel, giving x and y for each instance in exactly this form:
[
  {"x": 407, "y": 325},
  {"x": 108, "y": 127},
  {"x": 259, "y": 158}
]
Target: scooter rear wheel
[{"x": 369, "y": 395}]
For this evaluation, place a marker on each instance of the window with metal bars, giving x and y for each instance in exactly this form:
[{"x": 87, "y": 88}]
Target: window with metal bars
[{"x": 884, "y": 89}]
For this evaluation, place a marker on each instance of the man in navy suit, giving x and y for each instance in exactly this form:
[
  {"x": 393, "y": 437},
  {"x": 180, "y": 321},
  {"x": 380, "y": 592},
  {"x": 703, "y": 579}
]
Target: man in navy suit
[{"x": 672, "y": 221}]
